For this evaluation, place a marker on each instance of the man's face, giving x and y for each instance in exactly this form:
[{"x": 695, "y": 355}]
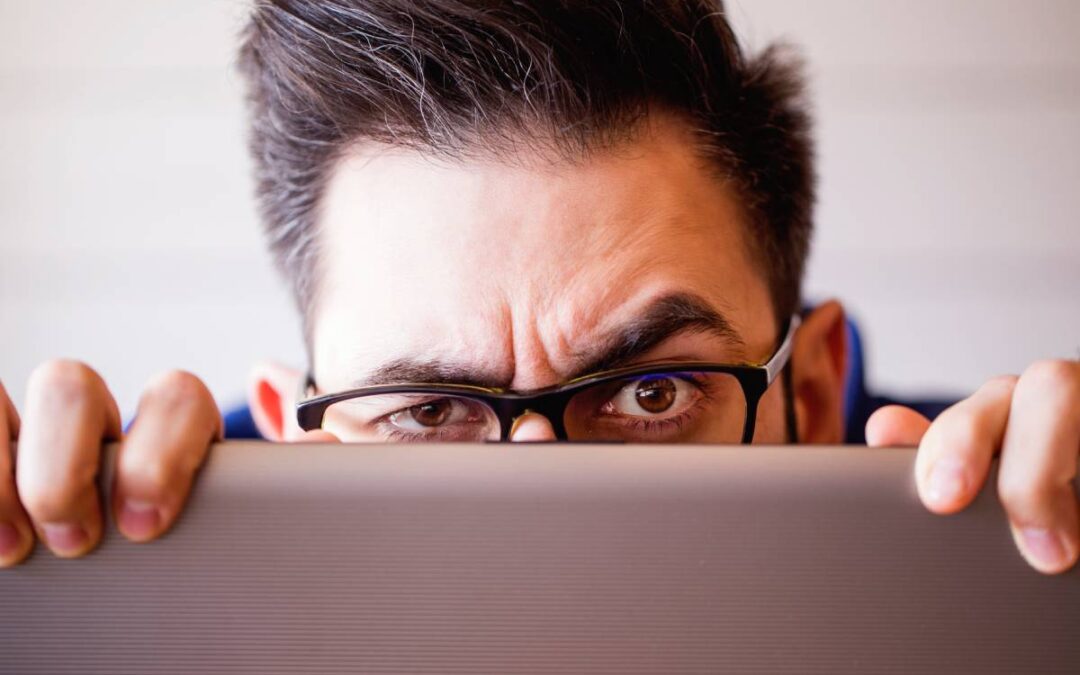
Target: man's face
[{"x": 525, "y": 274}]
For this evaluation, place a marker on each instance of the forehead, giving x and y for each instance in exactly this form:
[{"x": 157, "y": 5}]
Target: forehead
[{"x": 516, "y": 266}]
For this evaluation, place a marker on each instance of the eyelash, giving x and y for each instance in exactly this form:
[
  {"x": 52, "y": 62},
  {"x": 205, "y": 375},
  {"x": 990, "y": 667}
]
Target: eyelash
[
  {"x": 397, "y": 435},
  {"x": 677, "y": 422}
]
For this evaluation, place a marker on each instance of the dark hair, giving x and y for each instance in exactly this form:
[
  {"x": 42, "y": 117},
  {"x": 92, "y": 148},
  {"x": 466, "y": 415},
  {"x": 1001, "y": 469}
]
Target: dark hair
[{"x": 455, "y": 76}]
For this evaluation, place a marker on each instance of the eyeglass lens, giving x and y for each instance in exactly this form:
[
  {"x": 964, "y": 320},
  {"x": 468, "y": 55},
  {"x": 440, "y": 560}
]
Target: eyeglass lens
[{"x": 668, "y": 407}]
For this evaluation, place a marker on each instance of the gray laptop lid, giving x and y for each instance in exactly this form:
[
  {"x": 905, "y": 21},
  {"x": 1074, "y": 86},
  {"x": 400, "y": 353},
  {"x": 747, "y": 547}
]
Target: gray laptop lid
[{"x": 548, "y": 559}]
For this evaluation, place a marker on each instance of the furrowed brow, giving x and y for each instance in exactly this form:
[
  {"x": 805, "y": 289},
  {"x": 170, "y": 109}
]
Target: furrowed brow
[{"x": 664, "y": 318}]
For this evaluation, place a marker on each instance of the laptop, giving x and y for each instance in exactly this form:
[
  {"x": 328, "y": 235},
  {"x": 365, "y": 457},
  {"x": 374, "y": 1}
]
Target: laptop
[{"x": 549, "y": 559}]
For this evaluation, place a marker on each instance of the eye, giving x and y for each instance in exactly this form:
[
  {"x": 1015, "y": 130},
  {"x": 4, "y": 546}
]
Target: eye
[
  {"x": 433, "y": 414},
  {"x": 653, "y": 397}
]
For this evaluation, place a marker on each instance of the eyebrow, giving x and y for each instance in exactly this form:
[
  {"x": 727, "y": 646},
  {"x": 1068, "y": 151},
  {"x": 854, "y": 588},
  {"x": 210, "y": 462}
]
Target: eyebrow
[
  {"x": 414, "y": 371},
  {"x": 662, "y": 319}
]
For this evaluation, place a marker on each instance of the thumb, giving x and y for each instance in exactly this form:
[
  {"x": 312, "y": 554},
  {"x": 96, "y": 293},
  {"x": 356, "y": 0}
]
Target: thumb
[
  {"x": 895, "y": 425},
  {"x": 315, "y": 436}
]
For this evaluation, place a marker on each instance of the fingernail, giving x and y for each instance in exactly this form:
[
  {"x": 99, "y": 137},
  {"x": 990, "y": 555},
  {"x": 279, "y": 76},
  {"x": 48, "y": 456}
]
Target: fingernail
[
  {"x": 1046, "y": 549},
  {"x": 9, "y": 540},
  {"x": 139, "y": 519},
  {"x": 948, "y": 481},
  {"x": 64, "y": 538}
]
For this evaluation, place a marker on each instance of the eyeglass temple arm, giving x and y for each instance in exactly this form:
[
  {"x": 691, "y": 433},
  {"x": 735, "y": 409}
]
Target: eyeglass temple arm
[{"x": 783, "y": 353}]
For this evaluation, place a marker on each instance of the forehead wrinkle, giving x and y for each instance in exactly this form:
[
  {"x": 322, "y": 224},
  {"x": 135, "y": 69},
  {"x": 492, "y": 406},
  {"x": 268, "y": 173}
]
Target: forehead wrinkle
[
  {"x": 472, "y": 346},
  {"x": 609, "y": 285},
  {"x": 578, "y": 293},
  {"x": 643, "y": 263}
]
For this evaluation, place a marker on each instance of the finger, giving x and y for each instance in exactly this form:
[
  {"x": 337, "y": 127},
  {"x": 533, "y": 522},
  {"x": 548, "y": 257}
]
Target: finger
[
  {"x": 16, "y": 534},
  {"x": 69, "y": 411},
  {"x": 8, "y": 415},
  {"x": 1039, "y": 463},
  {"x": 895, "y": 425},
  {"x": 956, "y": 451},
  {"x": 176, "y": 422},
  {"x": 316, "y": 436},
  {"x": 531, "y": 428}
]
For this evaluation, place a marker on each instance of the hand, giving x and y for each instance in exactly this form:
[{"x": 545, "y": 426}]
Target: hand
[
  {"x": 49, "y": 490},
  {"x": 1033, "y": 421}
]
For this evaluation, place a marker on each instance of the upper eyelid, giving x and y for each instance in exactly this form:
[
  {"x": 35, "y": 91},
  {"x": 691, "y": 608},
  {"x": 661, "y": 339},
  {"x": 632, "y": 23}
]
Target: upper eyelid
[
  {"x": 689, "y": 379},
  {"x": 434, "y": 397},
  {"x": 402, "y": 401},
  {"x": 637, "y": 371}
]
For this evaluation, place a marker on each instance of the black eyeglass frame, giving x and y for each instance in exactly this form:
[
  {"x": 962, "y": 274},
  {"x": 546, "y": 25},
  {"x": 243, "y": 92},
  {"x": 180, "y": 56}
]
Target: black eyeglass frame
[{"x": 552, "y": 402}]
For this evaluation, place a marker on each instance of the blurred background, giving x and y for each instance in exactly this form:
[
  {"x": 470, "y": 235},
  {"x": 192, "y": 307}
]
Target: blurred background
[{"x": 949, "y": 220}]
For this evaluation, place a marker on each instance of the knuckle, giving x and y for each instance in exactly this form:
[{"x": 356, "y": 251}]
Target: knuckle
[
  {"x": 1005, "y": 382},
  {"x": 48, "y": 501},
  {"x": 53, "y": 491},
  {"x": 1019, "y": 495},
  {"x": 156, "y": 475},
  {"x": 961, "y": 428},
  {"x": 1054, "y": 375},
  {"x": 177, "y": 389},
  {"x": 62, "y": 380}
]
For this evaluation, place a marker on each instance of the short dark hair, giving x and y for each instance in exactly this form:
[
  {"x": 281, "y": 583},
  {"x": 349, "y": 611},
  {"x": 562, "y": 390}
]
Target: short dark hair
[{"x": 450, "y": 76}]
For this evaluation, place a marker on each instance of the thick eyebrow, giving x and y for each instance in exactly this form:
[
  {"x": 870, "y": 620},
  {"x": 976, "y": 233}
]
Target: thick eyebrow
[
  {"x": 662, "y": 319},
  {"x": 415, "y": 371}
]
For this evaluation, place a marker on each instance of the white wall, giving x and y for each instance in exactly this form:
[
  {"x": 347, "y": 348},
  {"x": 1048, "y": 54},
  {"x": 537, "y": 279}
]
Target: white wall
[
  {"x": 950, "y": 178},
  {"x": 950, "y": 164}
]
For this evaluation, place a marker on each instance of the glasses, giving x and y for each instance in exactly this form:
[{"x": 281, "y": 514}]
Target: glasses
[{"x": 674, "y": 402}]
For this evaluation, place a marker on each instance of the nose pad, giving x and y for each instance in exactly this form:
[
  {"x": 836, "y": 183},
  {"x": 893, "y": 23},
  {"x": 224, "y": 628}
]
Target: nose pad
[{"x": 531, "y": 427}]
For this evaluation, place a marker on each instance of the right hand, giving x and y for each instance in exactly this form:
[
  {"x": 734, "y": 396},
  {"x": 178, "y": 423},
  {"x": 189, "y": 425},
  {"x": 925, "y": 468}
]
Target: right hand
[{"x": 48, "y": 491}]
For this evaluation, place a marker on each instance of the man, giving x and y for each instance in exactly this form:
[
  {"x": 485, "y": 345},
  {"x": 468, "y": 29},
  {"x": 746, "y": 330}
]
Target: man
[{"x": 474, "y": 198}]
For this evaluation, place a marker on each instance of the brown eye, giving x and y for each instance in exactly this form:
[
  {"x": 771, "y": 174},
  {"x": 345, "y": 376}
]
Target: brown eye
[
  {"x": 432, "y": 413},
  {"x": 443, "y": 418},
  {"x": 655, "y": 395}
]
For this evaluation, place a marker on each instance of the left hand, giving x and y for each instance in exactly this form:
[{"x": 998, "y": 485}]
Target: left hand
[{"x": 1033, "y": 422}]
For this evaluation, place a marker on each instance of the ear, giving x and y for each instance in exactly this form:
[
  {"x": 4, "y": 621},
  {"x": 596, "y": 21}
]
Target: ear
[
  {"x": 272, "y": 392},
  {"x": 819, "y": 369}
]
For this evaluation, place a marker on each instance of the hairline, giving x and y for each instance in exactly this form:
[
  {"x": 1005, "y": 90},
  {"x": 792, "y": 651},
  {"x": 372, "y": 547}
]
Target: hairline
[{"x": 531, "y": 149}]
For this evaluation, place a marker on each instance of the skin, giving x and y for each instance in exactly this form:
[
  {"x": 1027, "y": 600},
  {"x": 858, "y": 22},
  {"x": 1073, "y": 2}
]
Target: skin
[{"x": 515, "y": 270}]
